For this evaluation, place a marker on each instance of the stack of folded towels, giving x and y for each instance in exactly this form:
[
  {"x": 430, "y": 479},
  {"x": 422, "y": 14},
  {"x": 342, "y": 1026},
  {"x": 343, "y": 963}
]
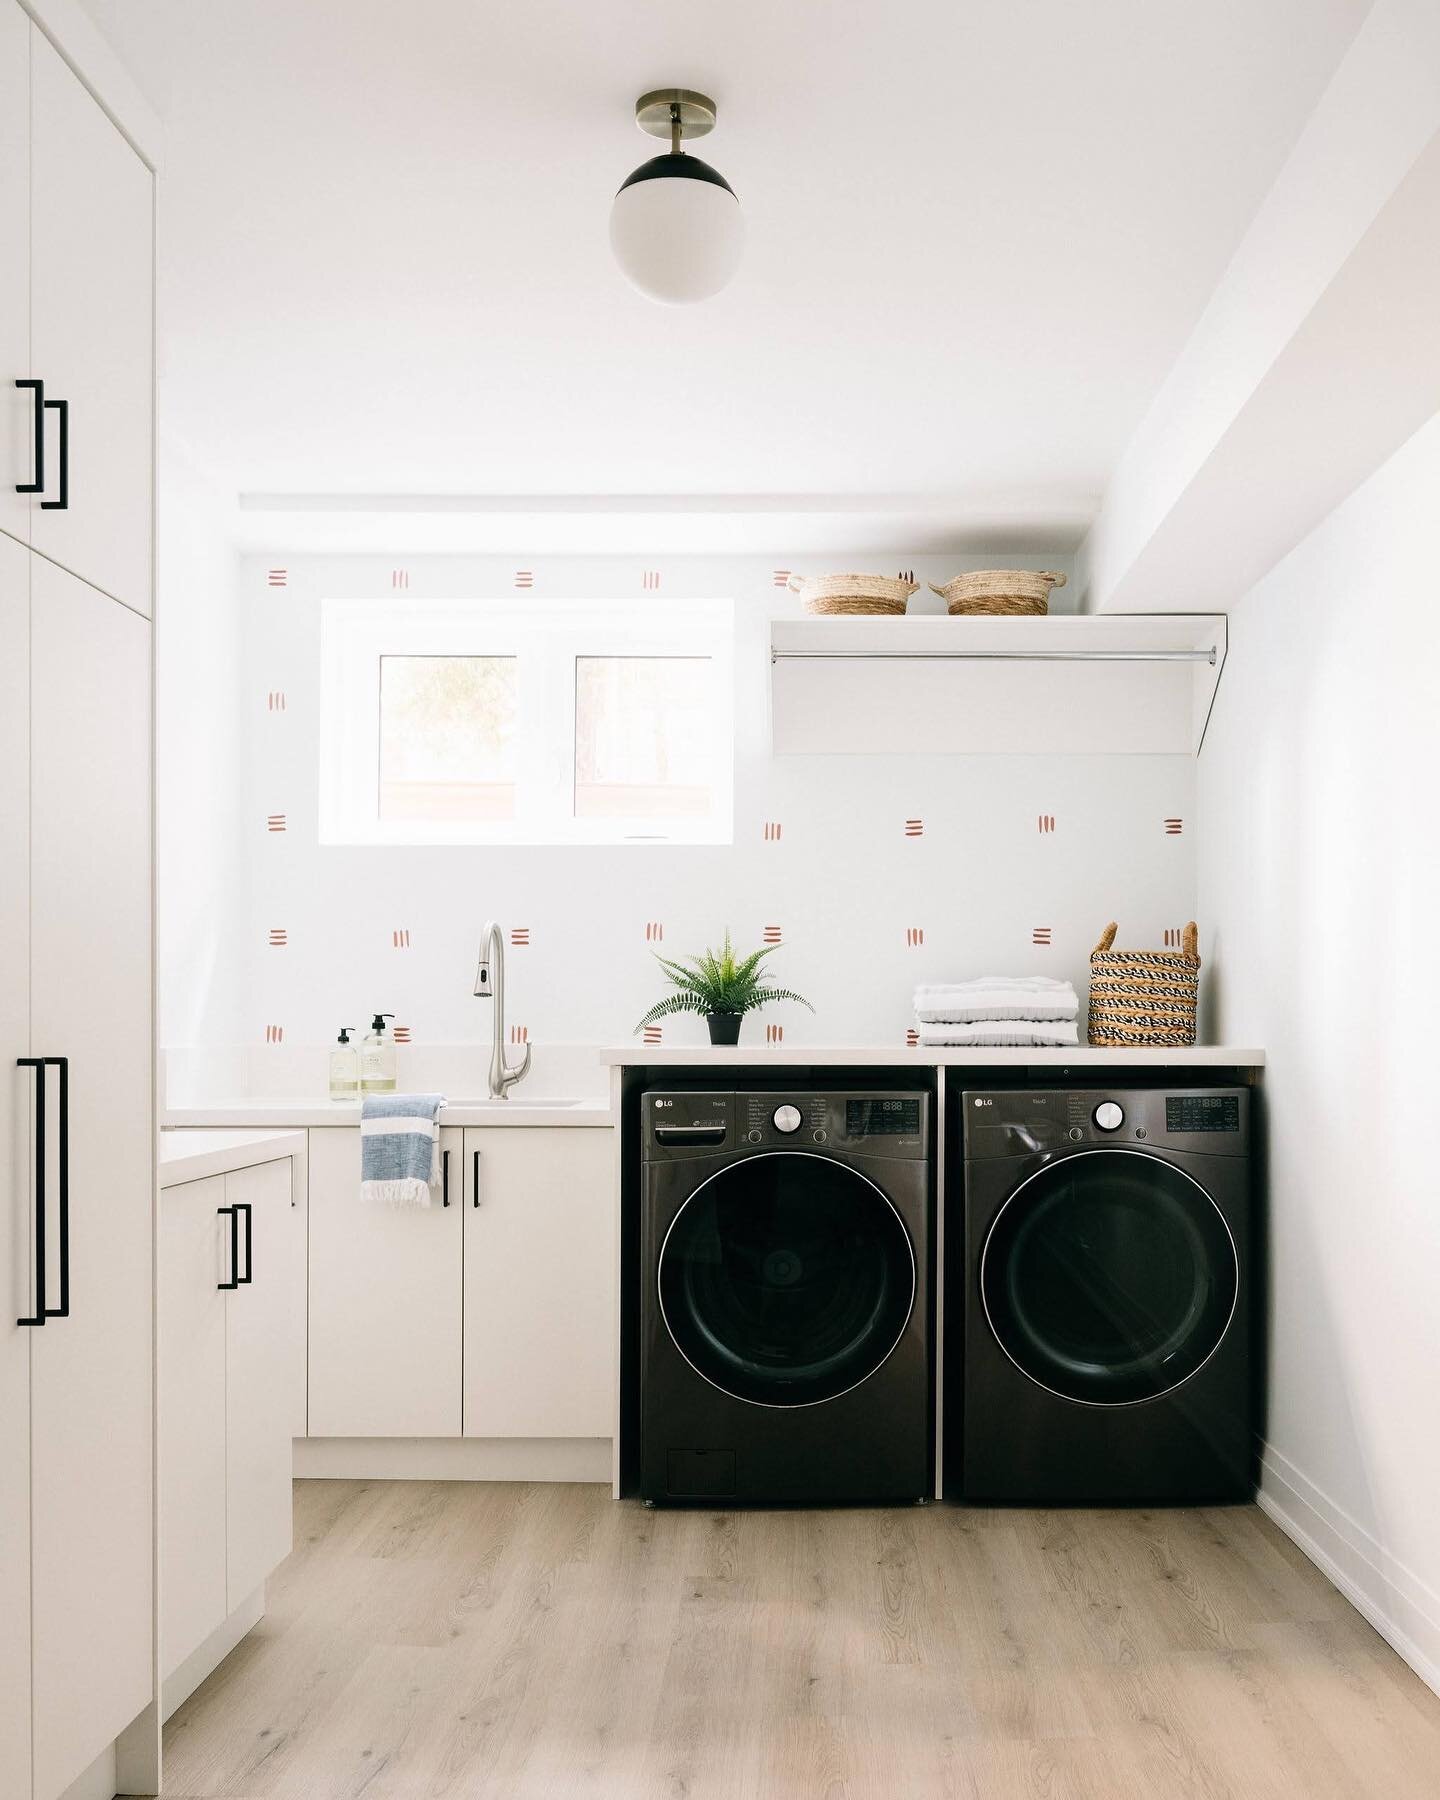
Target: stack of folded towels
[{"x": 997, "y": 1010}]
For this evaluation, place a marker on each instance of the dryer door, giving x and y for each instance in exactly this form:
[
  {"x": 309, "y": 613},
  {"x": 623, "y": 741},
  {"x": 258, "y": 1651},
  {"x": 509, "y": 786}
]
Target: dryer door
[
  {"x": 1109, "y": 1277},
  {"x": 786, "y": 1279}
]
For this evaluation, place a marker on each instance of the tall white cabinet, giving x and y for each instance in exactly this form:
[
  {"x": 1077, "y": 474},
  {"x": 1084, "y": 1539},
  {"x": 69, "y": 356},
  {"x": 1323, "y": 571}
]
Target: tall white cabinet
[{"x": 77, "y": 1178}]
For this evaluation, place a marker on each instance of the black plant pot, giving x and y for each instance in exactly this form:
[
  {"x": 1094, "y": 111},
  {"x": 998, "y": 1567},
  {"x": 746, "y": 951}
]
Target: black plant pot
[{"x": 724, "y": 1027}]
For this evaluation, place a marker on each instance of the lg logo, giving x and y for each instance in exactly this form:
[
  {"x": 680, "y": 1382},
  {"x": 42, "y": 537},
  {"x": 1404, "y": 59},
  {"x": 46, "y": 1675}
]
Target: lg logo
[{"x": 981, "y": 1101}]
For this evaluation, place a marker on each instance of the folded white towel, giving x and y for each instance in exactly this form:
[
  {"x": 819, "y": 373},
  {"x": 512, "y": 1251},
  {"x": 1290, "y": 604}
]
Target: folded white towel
[
  {"x": 996, "y": 997},
  {"x": 994, "y": 1034}
]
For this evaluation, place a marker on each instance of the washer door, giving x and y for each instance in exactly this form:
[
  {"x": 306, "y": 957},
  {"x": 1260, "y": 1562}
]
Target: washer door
[
  {"x": 1109, "y": 1277},
  {"x": 786, "y": 1279}
]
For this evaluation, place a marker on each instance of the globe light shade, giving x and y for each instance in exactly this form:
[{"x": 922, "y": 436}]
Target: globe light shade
[{"x": 676, "y": 229}]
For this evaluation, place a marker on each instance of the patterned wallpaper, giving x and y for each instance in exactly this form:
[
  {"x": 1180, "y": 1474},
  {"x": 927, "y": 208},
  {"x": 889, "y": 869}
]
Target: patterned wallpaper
[{"x": 873, "y": 872}]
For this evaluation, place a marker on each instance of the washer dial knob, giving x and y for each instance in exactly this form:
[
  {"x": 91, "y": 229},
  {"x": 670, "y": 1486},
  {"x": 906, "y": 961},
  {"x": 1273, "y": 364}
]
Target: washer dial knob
[
  {"x": 1108, "y": 1116},
  {"x": 786, "y": 1118}
]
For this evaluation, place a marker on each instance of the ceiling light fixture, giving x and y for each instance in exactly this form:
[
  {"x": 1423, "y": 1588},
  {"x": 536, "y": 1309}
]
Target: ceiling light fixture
[{"x": 675, "y": 227}]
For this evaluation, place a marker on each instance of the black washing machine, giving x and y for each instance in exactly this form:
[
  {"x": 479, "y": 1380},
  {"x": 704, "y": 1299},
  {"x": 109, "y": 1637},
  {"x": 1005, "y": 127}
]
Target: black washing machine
[
  {"x": 1107, "y": 1298},
  {"x": 785, "y": 1297}
]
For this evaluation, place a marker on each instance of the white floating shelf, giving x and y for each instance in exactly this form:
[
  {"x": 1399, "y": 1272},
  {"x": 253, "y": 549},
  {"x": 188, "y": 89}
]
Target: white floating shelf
[{"x": 1117, "y": 684}]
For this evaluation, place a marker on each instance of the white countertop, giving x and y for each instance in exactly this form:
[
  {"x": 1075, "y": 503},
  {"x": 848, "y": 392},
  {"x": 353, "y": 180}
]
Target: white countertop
[
  {"x": 193, "y": 1155},
  {"x": 303, "y": 1113},
  {"x": 781, "y": 1056}
]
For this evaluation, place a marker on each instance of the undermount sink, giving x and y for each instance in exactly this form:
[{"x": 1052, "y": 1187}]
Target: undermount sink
[{"x": 515, "y": 1100}]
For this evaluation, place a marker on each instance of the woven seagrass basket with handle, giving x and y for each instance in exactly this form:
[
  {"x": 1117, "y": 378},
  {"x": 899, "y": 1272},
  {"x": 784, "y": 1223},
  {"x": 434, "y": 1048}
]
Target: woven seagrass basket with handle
[{"x": 1140, "y": 997}]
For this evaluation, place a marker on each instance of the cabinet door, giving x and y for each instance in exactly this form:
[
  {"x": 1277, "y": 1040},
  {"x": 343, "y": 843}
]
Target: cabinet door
[
  {"x": 17, "y": 405},
  {"x": 17, "y": 1290},
  {"x": 92, "y": 330},
  {"x": 91, "y": 1376},
  {"x": 297, "y": 1264},
  {"x": 194, "y": 1252},
  {"x": 539, "y": 1283},
  {"x": 257, "y": 1382},
  {"x": 385, "y": 1297}
]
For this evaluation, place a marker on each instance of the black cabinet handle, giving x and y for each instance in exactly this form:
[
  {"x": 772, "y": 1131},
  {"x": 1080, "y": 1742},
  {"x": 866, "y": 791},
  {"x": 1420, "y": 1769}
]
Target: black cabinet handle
[
  {"x": 475, "y": 1179},
  {"x": 37, "y": 1063},
  {"x": 37, "y": 486},
  {"x": 43, "y": 1311},
  {"x": 63, "y": 408},
  {"x": 444, "y": 1177},
  {"x": 232, "y": 1213},
  {"x": 243, "y": 1206},
  {"x": 62, "y": 1063}
]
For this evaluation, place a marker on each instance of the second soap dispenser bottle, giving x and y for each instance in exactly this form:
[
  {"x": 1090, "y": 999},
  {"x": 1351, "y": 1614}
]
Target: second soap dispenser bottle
[{"x": 377, "y": 1058}]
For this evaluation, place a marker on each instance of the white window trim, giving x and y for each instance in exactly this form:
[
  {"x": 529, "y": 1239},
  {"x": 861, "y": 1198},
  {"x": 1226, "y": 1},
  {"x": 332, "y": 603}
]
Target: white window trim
[{"x": 547, "y": 636}]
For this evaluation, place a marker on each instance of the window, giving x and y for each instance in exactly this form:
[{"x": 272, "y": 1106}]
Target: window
[{"x": 470, "y": 721}]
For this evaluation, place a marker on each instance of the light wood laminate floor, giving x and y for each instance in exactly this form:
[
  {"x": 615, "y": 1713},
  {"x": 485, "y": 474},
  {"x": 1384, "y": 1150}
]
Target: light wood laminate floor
[{"x": 514, "y": 1640}]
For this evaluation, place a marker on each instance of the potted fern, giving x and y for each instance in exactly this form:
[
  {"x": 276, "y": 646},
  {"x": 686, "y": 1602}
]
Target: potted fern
[{"x": 721, "y": 987}]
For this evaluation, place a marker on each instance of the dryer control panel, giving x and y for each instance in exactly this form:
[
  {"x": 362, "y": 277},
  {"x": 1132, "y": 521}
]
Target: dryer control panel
[
  {"x": 1214, "y": 1121},
  {"x": 892, "y": 1125}
]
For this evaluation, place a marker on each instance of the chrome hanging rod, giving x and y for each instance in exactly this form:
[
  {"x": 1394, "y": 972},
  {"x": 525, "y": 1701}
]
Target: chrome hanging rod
[{"x": 1127, "y": 656}]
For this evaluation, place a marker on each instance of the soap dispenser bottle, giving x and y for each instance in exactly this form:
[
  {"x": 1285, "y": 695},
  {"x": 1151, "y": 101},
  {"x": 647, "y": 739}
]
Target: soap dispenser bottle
[
  {"x": 377, "y": 1058},
  {"x": 344, "y": 1067}
]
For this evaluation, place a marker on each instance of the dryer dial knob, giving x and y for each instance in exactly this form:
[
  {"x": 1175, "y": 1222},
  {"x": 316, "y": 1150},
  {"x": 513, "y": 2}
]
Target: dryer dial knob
[
  {"x": 1108, "y": 1116},
  {"x": 786, "y": 1118}
]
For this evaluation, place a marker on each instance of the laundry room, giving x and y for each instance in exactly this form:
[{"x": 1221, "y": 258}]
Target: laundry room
[{"x": 715, "y": 819}]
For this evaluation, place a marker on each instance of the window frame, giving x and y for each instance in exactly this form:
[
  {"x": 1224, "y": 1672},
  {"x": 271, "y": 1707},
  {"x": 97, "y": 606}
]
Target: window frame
[{"x": 547, "y": 637}]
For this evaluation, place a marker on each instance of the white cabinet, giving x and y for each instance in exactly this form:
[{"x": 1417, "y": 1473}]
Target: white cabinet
[
  {"x": 225, "y": 1498},
  {"x": 79, "y": 1386},
  {"x": 91, "y": 1376},
  {"x": 16, "y": 404},
  {"x": 539, "y": 1283},
  {"x": 258, "y": 1343},
  {"x": 16, "y": 1281},
  {"x": 192, "y": 1417},
  {"x": 385, "y": 1300},
  {"x": 77, "y": 1175},
  {"x": 76, "y": 313}
]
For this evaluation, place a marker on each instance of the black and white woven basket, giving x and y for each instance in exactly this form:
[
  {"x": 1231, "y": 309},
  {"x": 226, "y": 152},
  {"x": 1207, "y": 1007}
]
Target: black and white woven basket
[{"x": 1140, "y": 997}]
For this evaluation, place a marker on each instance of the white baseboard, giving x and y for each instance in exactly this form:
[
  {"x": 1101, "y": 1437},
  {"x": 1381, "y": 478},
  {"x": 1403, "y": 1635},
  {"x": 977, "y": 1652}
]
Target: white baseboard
[
  {"x": 453, "y": 1459},
  {"x": 1401, "y": 1607},
  {"x": 202, "y": 1661}
]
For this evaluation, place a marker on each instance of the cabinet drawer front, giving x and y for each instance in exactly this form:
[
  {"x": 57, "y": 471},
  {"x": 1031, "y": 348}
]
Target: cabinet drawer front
[{"x": 385, "y": 1299}]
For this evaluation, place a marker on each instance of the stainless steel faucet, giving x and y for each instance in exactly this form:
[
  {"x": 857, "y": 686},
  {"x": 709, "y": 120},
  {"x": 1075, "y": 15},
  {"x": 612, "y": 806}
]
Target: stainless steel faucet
[{"x": 490, "y": 985}]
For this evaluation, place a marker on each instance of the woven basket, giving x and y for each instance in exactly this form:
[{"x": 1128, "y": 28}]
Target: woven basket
[
  {"x": 1012, "y": 592},
  {"x": 875, "y": 596},
  {"x": 1144, "y": 996}
]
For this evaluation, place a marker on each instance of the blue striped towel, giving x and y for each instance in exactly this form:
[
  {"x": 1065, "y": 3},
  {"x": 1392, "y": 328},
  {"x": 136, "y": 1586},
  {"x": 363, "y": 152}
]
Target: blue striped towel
[{"x": 399, "y": 1148}]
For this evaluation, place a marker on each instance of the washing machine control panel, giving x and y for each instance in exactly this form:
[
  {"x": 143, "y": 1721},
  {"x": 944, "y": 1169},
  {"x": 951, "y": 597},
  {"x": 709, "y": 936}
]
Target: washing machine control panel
[
  {"x": 1044, "y": 1121},
  {"x": 893, "y": 1125}
]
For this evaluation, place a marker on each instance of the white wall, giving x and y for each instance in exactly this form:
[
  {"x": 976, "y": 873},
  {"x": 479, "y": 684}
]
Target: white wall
[
  {"x": 200, "y": 882},
  {"x": 843, "y": 882},
  {"x": 1318, "y": 874}
]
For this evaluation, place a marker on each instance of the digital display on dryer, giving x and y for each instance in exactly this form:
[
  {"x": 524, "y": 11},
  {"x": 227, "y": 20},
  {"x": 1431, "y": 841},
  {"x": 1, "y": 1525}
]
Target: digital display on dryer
[
  {"x": 882, "y": 1118},
  {"x": 1202, "y": 1112}
]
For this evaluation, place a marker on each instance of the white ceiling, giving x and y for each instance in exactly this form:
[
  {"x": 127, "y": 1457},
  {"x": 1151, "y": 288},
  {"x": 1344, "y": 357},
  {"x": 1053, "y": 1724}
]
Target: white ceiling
[{"x": 978, "y": 236}]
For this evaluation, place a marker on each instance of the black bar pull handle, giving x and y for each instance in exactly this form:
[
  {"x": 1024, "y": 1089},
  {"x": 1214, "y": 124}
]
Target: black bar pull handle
[
  {"x": 243, "y": 1206},
  {"x": 62, "y": 1311},
  {"x": 37, "y": 1063},
  {"x": 37, "y": 486},
  {"x": 63, "y": 408},
  {"x": 475, "y": 1179},
  {"x": 444, "y": 1177},
  {"x": 232, "y": 1213}
]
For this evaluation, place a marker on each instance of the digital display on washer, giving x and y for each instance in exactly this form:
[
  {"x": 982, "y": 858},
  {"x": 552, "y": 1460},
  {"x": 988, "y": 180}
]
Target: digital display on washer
[
  {"x": 1202, "y": 1112},
  {"x": 882, "y": 1118}
]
